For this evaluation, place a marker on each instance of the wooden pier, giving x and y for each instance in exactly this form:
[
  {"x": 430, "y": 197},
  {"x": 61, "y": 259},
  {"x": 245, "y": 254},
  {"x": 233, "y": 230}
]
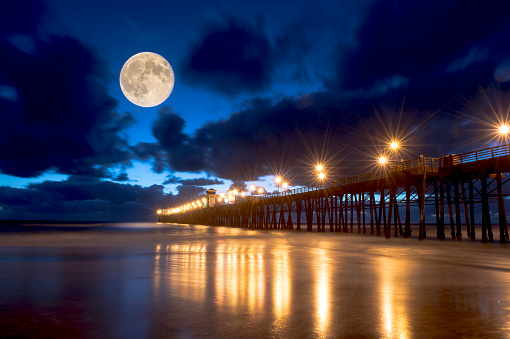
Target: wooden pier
[{"x": 383, "y": 202}]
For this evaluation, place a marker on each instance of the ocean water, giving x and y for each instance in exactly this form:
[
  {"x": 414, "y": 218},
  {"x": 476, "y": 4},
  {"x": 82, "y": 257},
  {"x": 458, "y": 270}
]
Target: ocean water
[{"x": 190, "y": 281}]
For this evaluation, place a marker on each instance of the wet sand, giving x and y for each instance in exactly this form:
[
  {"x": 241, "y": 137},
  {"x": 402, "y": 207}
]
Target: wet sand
[{"x": 179, "y": 281}]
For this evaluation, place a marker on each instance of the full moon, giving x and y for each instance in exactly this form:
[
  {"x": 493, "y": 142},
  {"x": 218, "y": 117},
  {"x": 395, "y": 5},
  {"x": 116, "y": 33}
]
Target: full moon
[{"x": 147, "y": 79}]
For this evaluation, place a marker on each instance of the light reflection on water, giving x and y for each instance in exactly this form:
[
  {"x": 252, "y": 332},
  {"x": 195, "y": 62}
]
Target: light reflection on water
[
  {"x": 322, "y": 291},
  {"x": 198, "y": 281},
  {"x": 393, "y": 290},
  {"x": 281, "y": 289}
]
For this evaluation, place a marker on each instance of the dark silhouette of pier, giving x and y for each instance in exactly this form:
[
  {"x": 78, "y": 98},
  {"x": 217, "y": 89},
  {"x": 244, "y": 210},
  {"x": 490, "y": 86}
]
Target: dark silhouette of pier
[{"x": 453, "y": 183}]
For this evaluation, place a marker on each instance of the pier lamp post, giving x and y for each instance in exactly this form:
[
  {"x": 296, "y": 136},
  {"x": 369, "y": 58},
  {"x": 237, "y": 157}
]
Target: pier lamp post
[
  {"x": 383, "y": 161},
  {"x": 504, "y": 131},
  {"x": 394, "y": 145},
  {"x": 252, "y": 189},
  {"x": 322, "y": 179},
  {"x": 260, "y": 191},
  {"x": 278, "y": 180},
  {"x": 320, "y": 173}
]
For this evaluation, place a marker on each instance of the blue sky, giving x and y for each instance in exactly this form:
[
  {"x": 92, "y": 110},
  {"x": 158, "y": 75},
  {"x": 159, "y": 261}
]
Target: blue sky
[{"x": 262, "y": 89}]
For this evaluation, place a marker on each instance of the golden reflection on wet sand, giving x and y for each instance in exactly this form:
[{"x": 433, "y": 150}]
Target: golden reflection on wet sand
[
  {"x": 322, "y": 274},
  {"x": 183, "y": 267},
  {"x": 239, "y": 276},
  {"x": 393, "y": 290},
  {"x": 281, "y": 289},
  {"x": 256, "y": 281}
]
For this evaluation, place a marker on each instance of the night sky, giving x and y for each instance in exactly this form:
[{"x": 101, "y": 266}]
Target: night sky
[{"x": 261, "y": 88}]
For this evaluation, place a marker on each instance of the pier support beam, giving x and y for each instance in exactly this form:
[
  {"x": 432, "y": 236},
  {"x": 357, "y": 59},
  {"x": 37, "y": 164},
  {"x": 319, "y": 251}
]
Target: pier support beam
[
  {"x": 458, "y": 234},
  {"x": 503, "y": 228},
  {"x": 299, "y": 206},
  {"x": 486, "y": 217},
  {"x": 372, "y": 212},
  {"x": 466, "y": 213},
  {"x": 421, "y": 202},
  {"x": 450, "y": 208},
  {"x": 472, "y": 210},
  {"x": 407, "y": 228}
]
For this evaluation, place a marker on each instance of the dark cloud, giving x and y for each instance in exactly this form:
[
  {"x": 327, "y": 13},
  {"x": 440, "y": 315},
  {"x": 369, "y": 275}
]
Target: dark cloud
[
  {"x": 122, "y": 177},
  {"x": 303, "y": 50},
  {"x": 55, "y": 110},
  {"x": 193, "y": 182},
  {"x": 230, "y": 58},
  {"x": 20, "y": 17},
  {"x": 201, "y": 182},
  {"x": 150, "y": 152},
  {"x": 262, "y": 139},
  {"x": 239, "y": 186},
  {"x": 439, "y": 50},
  {"x": 168, "y": 129},
  {"x": 175, "y": 150},
  {"x": 189, "y": 193},
  {"x": 83, "y": 199},
  {"x": 61, "y": 115},
  {"x": 172, "y": 180},
  {"x": 182, "y": 154}
]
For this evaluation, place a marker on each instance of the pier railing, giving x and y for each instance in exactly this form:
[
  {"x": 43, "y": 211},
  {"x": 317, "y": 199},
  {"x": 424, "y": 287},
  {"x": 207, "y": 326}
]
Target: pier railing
[
  {"x": 419, "y": 164},
  {"x": 487, "y": 153},
  {"x": 413, "y": 164}
]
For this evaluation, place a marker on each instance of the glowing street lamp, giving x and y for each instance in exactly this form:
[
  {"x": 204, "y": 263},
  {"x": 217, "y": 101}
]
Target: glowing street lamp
[
  {"x": 285, "y": 185},
  {"x": 260, "y": 190},
  {"x": 322, "y": 179},
  {"x": 320, "y": 173},
  {"x": 394, "y": 149},
  {"x": 504, "y": 130},
  {"x": 383, "y": 160},
  {"x": 278, "y": 180}
]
